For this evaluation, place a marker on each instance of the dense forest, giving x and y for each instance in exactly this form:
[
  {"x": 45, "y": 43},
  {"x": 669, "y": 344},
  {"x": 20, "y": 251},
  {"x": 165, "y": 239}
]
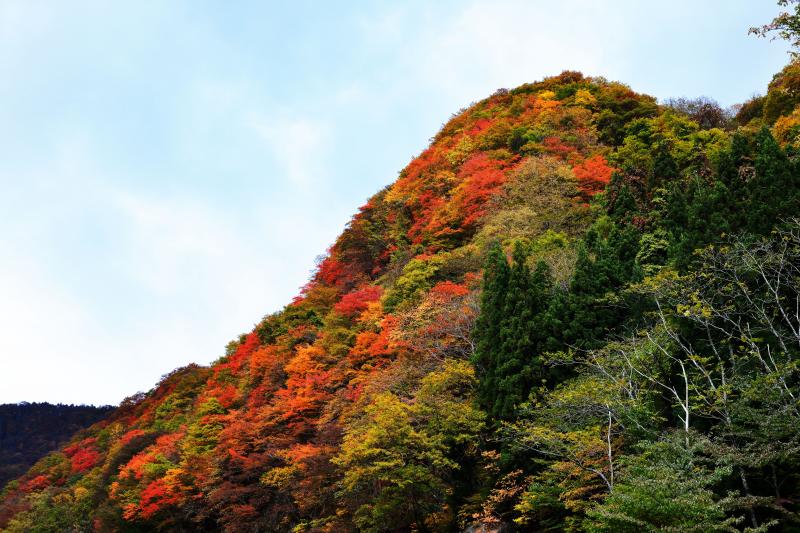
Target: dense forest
[
  {"x": 29, "y": 431},
  {"x": 577, "y": 310}
]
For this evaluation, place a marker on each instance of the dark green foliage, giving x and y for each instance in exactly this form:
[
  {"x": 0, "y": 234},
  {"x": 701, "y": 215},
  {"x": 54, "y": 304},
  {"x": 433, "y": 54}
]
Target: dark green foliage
[
  {"x": 621, "y": 106},
  {"x": 511, "y": 330},
  {"x": 665, "y": 488},
  {"x": 774, "y": 187},
  {"x": 604, "y": 264},
  {"x": 519, "y": 363},
  {"x": 488, "y": 328}
]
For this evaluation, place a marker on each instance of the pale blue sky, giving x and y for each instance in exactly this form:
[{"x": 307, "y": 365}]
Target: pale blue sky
[{"x": 170, "y": 170}]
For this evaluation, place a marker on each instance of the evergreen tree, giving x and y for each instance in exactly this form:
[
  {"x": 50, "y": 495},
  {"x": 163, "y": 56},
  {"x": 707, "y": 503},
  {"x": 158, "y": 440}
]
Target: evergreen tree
[
  {"x": 707, "y": 217},
  {"x": 516, "y": 332},
  {"x": 665, "y": 169},
  {"x": 775, "y": 189},
  {"x": 511, "y": 330},
  {"x": 487, "y": 329},
  {"x": 603, "y": 265}
]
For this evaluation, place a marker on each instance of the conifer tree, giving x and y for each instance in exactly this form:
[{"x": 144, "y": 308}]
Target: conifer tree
[
  {"x": 487, "y": 329},
  {"x": 516, "y": 330},
  {"x": 774, "y": 188}
]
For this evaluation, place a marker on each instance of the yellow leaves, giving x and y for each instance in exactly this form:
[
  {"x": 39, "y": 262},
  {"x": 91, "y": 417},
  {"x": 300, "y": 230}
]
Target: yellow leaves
[
  {"x": 404, "y": 448},
  {"x": 546, "y": 95},
  {"x": 695, "y": 307},
  {"x": 372, "y": 315},
  {"x": 80, "y": 493},
  {"x": 461, "y": 151},
  {"x": 585, "y": 98},
  {"x": 280, "y": 477},
  {"x": 787, "y": 127}
]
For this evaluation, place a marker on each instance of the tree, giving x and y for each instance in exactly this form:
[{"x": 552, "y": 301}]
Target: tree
[
  {"x": 705, "y": 111},
  {"x": 786, "y": 25},
  {"x": 398, "y": 460},
  {"x": 775, "y": 188},
  {"x": 488, "y": 327},
  {"x": 668, "y": 487}
]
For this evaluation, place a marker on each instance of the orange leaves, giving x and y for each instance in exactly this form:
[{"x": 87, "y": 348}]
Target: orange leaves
[
  {"x": 135, "y": 467},
  {"x": 227, "y": 395},
  {"x": 306, "y": 384},
  {"x": 593, "y": 175},
  {"x": 266, "y": 373},
  {"x": 130, "y": 436},
  {"x": 371, "y": 348},
  {"x": 165, "y": 446},
  {"x": 265, "y": 359}
]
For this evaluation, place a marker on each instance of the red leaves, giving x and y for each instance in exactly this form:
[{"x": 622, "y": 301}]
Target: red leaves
[
  {"x": 84, "y": 459},
  {"x": 130, "y": 436},
  {"x": 481, "y": 179},
  {"x": 558, "y": 148},
  {"x": 447, "y": 289},
  {"x": 593, "y": 175},
  {"x": 356, "y": 302},
  {"x": 37, "y": 483},
  {"x": 155, "y": 497},
  {"x": 329, "y": 271},
  {"x": 83, "y": 455},
  {"x": 220, "y": 384},
  {"x": 480, "y": 125}
]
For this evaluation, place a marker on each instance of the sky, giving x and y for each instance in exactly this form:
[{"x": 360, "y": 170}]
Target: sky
[{"x": 169, "y": 171}]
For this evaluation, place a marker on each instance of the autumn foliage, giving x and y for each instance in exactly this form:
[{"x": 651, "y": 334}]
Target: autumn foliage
[{"x": 359, "y": 404}]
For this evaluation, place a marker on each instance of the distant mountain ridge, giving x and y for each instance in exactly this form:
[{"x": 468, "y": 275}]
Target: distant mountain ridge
[{"x": 29, "y": 431}]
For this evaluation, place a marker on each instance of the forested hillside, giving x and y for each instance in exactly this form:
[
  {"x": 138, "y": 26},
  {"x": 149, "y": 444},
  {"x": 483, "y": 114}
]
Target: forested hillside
[
  {"x": 29, "y": 431},
  {"x": 576, "y": 310}
]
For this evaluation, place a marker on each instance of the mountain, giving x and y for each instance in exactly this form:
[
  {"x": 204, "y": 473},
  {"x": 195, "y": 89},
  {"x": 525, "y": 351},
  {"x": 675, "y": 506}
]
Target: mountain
[
  {"x": 575, "y": 310},
  {"x": 29, "y": 431}
]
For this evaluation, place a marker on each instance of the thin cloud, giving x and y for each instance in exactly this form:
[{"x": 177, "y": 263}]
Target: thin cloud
[{"x": 298, "y": 144}]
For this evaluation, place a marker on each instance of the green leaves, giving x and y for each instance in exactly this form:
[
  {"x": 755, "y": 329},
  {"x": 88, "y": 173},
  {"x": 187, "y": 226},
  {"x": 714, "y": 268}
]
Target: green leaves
[{"x": 399, "y": 458}]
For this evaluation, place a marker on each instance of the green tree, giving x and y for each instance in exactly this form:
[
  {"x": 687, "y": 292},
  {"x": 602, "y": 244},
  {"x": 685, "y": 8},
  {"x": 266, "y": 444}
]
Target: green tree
[
  {"x": 667, "y": 487},
  {"x": 399, "y": 459},
  {"x": 786, "y": 25},
  {"x": 775, "y": 188},
  {"x": 488, "y": 327}
]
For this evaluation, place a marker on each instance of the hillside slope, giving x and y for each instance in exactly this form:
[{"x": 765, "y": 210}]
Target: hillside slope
[{"x": 510, "y": 333}]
